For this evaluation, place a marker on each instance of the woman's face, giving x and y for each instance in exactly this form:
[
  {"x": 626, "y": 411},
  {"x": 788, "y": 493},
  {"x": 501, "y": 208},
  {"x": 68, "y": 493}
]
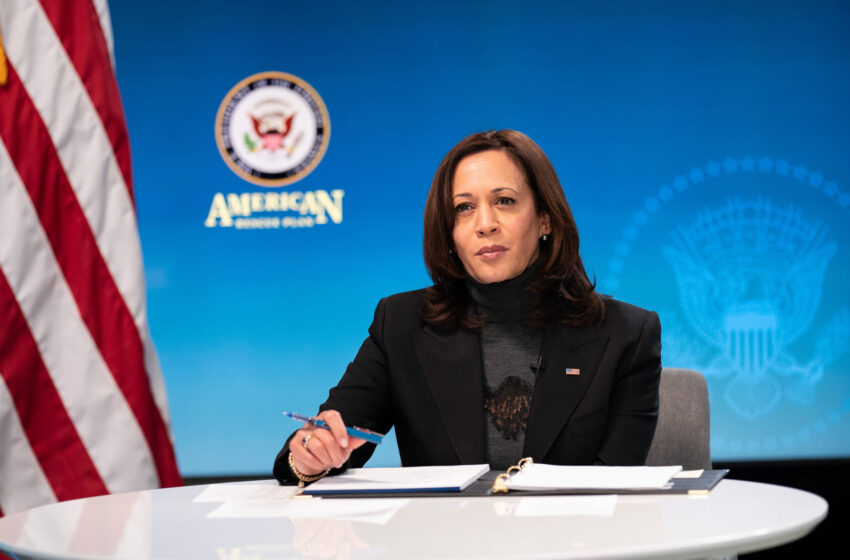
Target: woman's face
[{"x": 496, "y": 229}]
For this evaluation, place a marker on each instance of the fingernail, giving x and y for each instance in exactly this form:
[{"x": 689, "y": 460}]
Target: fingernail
[{"x": 344, "y": 442}]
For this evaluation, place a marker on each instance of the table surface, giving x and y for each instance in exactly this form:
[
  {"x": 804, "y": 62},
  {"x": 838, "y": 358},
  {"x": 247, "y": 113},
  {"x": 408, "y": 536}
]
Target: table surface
[{"x": 259, "y": 520}]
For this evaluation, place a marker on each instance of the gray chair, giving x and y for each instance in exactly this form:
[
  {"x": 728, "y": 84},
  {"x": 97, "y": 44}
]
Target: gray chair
[{"x": 682, "y": 434}]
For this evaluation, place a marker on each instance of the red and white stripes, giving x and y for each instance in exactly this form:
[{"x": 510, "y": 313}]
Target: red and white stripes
[{"x": 82, "y": 402}]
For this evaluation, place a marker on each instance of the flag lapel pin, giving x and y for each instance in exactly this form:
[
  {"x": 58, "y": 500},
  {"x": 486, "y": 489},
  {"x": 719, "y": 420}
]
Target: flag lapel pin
[{"x": 572, "y": 371}]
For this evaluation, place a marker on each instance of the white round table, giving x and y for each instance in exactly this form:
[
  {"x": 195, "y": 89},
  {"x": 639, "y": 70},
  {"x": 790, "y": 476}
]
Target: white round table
[{"x": 259, "y": 520}]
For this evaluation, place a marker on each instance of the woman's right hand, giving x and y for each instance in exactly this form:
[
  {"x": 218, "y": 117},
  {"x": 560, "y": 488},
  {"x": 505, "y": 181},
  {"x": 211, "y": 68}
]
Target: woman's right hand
[{"x": 314, "y": 450}]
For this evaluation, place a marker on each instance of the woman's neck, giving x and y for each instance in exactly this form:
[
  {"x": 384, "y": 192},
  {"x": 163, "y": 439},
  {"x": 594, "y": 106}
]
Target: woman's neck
[{"x": 506, "y": 301}]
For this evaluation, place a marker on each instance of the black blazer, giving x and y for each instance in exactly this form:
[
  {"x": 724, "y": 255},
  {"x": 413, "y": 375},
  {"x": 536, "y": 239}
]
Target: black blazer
[{"x": 428, "y": 383}]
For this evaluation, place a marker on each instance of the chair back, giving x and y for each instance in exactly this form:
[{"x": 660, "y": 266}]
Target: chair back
[{"x": 682, "y": 434}]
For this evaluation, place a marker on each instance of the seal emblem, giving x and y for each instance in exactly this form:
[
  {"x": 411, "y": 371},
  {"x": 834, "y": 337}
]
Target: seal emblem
[
  {"x": 744, "y": 260},
  {"x": 272, "y": 129},
  {"x": 750, "y": 276}
]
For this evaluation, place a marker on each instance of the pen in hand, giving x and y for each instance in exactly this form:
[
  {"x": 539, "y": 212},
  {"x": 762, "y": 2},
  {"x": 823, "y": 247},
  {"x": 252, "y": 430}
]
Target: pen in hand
[{"x": 353, "y": 431}]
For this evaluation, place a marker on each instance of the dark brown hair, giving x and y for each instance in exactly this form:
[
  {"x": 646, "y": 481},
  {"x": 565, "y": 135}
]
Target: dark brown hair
[{"x": 562, "y": 291}]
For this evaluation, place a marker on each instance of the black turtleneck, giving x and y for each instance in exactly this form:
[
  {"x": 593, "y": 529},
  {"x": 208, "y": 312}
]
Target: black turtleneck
[{"x": 510, "y": 351}]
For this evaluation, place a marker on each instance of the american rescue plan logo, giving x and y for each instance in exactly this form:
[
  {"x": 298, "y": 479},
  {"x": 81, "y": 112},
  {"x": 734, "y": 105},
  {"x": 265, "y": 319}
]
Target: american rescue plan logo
[{"x": 272, "y": 129}]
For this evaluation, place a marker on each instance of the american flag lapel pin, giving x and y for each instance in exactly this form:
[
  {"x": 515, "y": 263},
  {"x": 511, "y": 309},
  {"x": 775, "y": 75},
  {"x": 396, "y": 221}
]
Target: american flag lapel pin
[{"x": 572, "y": 371}]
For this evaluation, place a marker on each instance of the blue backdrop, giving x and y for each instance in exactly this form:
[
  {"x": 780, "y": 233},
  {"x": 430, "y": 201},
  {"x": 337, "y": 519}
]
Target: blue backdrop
[{"x": 702, "y": 145}]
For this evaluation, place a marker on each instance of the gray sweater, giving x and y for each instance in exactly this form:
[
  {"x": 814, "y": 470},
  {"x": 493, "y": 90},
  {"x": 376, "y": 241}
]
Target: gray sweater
[{"x": 510, "y": 351}]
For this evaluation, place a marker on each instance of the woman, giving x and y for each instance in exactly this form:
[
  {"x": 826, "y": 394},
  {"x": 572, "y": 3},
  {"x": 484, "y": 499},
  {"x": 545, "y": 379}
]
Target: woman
[{"x": 511, "y": 353}]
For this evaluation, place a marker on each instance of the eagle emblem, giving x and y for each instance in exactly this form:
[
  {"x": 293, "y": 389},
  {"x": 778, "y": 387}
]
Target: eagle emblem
[
  {"x": 750, "y": 277},
  {"x": 271, "y": 121}
]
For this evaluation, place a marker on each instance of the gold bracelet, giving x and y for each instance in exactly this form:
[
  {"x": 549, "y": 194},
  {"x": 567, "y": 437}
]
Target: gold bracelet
[{"x": 302, "y": 478}]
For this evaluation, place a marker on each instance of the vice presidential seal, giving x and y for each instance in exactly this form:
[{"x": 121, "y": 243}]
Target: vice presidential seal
[{"x": 272, "y": 129}]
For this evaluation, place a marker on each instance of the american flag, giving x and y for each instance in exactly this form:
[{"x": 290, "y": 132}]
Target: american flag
[{"x": 83, "y": 409}]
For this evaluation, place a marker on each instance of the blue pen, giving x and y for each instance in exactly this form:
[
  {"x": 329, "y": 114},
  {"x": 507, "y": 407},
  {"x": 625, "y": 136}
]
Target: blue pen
[{"x": 353, "y": 431}]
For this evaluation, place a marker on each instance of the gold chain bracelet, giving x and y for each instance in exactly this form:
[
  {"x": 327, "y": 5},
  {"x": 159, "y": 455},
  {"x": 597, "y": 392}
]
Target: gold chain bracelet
[{"x": 302, "y": 478}]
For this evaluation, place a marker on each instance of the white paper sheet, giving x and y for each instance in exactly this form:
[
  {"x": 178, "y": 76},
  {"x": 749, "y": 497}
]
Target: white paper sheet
[
  {"x": 245, "y": 491},
  {"x": 689, "y": 474},
  {"x": 455, "y": 477},
  {"x": 376, "y": 511},
  {"x": 540, "y": 476},
  {"x": 246, "y": 500}
]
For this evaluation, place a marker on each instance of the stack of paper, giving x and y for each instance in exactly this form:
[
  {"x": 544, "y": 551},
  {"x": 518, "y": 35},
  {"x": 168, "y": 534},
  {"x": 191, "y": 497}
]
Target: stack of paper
[
  {"x": 540, "y": 476},
  {"x": 393, "y": 480}
]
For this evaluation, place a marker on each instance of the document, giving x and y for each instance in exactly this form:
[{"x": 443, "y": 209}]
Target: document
[
  {"x": 375, "y": 511},
  {"x": 402, "y": 479},
  {"x": 262, "y": 499},
  {"x": 540, "y": 476}
]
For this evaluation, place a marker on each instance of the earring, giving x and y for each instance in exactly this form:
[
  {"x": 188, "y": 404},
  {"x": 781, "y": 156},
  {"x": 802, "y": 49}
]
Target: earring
[
  {"x": 545, "y": 237},
  {"x": 451, "y": 251}
]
